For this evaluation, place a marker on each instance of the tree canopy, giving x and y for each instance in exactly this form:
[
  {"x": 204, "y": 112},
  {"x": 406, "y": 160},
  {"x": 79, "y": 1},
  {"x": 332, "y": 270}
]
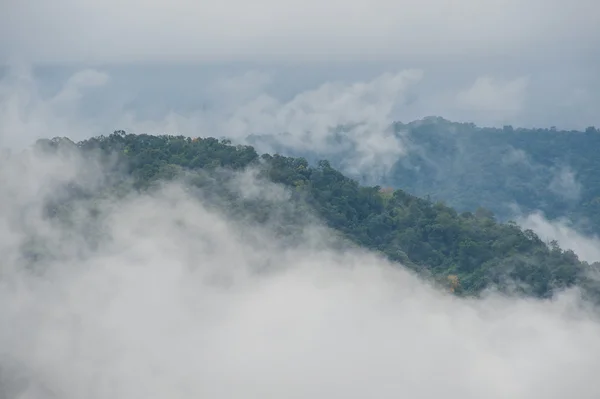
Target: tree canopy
[{"x": 468, "y": 251}]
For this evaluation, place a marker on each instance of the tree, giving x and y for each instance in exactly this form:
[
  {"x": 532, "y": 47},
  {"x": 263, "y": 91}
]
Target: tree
[{"x": 468, "y": 251}]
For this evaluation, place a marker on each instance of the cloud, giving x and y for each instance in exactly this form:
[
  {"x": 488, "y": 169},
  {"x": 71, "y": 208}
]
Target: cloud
[
  {"x": 562, "y": 231},
  {"x": 72, "y": 91},
  {"x": 177, "y": 299},
  {"x": 237, "y": 107},
  {"x": 26, "y": 114},
  {"x": 490, "y": 96},
  {"x": 565, "y": 184},
  {"x": 308, "y": 122},
  {"x": 343, "y": 118},
  {"x": 183, "y": 30},
  {"x": 516, "y": 156}
]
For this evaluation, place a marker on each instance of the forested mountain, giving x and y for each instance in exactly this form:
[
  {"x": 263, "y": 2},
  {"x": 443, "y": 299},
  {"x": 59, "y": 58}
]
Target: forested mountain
[
  {"x": 506, "y": 170},
  {"x": 469, "y": 251}
]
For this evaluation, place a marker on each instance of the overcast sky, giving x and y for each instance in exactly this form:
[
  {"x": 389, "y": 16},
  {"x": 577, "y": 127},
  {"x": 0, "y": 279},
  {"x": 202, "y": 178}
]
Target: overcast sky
[
  {"x": 186, "y": 30},
  {"x": 234, "y": 67}
]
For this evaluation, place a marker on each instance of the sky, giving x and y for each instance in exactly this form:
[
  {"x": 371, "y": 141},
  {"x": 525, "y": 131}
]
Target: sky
[{"x": 192, "y": 67}]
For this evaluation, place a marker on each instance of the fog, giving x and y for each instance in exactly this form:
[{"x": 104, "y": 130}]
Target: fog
[
  {"x": 298, "y": 108},
  {"x": 565, "y": 233},
  {"x": 164, "y": 294}
]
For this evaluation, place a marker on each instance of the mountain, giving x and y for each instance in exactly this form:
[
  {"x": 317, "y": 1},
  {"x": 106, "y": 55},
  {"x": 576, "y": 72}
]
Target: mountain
[
  {"x": 468, "y": 251},
  {"x": 507, "y": 170}
]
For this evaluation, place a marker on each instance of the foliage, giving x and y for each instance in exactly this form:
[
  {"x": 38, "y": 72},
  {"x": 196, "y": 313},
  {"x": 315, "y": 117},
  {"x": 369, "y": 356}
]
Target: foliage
[
  {"x": 506, "y": 170},
  {"x": 467, "y": 166},
  {"x": 466, "y": 251}
]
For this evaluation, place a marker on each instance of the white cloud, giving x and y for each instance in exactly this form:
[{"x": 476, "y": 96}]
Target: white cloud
[
  {"x": 26, "y": 115},
  {"x": 516, "y": 156},
  {"x": 72, "y": 91},
  {"x": 93, "y": 102},
  {"x": 239, "y": 106},
  {"x": 498, "y": 98},
  {"x": 565, "y": 184},
  {"x": 307, "y": 121},
  {"x": 587, "y": 248},
  {"x": 171, "y": 305}
]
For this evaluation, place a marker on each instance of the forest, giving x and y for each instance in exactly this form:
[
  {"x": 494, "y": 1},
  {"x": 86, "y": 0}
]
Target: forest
[
  {"x": 507, "y": 170},
  {"x": 467, "y": 251}
]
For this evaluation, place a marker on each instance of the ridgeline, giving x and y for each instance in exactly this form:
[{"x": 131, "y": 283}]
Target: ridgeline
[{"x": 468, "y": 251}]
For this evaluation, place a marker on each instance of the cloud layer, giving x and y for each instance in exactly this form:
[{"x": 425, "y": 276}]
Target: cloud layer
[
  {"x": 176, "y": 299},
  {"x": 302, "y": 118},
  {"x": 565, "y": 234}
]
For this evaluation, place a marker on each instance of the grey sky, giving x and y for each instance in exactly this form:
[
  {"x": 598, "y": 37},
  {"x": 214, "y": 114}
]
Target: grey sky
[{"x": 183, "y": 30}]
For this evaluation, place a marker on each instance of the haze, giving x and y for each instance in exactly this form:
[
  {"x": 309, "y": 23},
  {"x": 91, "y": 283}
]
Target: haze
[{"x": 177, "y": 299}]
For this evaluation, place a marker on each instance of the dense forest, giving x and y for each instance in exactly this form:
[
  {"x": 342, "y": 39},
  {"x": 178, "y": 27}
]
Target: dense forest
[
  {"x": 506, "y": 170},
  {"x": 467, "y": 251}
]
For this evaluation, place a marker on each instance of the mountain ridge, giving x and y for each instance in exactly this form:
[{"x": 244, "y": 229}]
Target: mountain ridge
[
  {"x": 470, "y": 251},
  {"x": 510, "y": 170}
]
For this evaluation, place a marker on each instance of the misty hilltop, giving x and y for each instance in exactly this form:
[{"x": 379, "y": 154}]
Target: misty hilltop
[{"x": 467, "y": 252}]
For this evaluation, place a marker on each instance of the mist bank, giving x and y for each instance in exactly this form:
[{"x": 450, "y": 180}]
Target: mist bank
[{"x": 155, "y": 266}]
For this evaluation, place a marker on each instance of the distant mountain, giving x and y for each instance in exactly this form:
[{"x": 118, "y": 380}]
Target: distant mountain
[{"x": 506, "y": 170}]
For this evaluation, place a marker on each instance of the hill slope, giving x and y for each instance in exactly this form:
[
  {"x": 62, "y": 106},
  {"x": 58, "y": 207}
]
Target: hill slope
[
  {"x": 535, "y": 169},
  {"x": 468, "y": 166},
  {"x": 471, "y": 249}
]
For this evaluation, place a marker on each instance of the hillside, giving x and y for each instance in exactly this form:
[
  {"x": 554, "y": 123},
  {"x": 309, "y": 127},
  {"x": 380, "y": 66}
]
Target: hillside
[
  {"x": 536, "y": 169},
  {"x": 508, "y": 171},
  {"x": 470, "y": 250}
]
